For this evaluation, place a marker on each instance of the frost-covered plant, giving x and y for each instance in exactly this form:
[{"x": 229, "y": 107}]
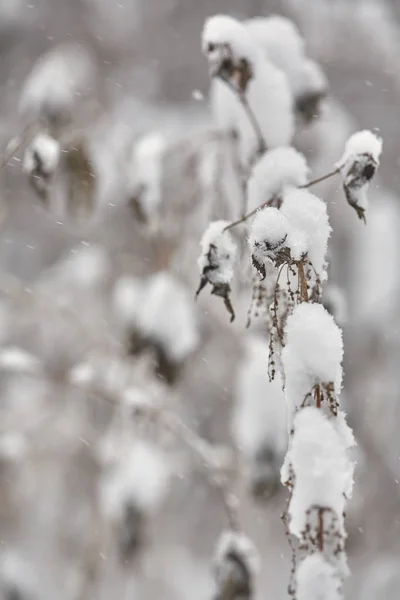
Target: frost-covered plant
[
  {"x": 158, "y": 317},
  {"x": 41, "y": 159},
  {"x": 320, "y": 477},
  {"x": 132, "y": 488},
  {"x": 145, "y": 171},
  {"x": 229, "y": 49},
  {"x": 236, "y": 564},
  {"x": 249, "y": 95},
  {"x": 317, "y": 467},
  {"x": 297, "y": 232},
  {"x": 262, "y": 80},
  {"x": 284, "y": 46},
  {"x": 310, "y": 229},
  {"x": 275, "y": 173},
  {"x": 317, "y": 580},
  {"x": 216, "y": 262},
  {"x": 358, "y": 166},
  {"x": 268, "y": 239},
  {"x": 312, "y": 359},
  {"x": 58, "y": 78},
  {"x": 288, "y": 240}
]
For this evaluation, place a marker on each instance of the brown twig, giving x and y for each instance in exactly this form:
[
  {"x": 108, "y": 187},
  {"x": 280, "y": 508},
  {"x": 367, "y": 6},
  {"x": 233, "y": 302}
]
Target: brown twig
[
  {"x": 317, "y": 395},
  {"x": 265, "y": 204},
  {"x": 302, "y": 281},
  {"x": 321, "y": 529},
  {"x": 319, "y": 179},
  {"x": 245, "y": 217},
  {"x": 285, "y": 521}
]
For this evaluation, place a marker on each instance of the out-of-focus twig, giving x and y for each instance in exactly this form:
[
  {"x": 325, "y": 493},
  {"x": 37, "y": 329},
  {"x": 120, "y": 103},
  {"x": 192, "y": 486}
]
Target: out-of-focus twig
[
  {"x": 262, "y": 145},
  {"x": 264, "y": 204},
  {"x": 203, "y": 450},
  {"x": 319, "y": 179}
]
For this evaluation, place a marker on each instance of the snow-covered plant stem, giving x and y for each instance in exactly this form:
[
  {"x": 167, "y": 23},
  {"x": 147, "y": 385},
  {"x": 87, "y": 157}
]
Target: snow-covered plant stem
[{"x": 289, "y": 231}]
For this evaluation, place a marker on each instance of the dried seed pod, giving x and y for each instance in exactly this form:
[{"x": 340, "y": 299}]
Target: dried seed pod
[
  {"x": 235, "y": 566},
  {"x": 216, "y": 262},
  {"x": 41, "y": 160},
  {"x": 229, "y": 50},
  {"x": 268, "y": 237},
  {"x": 358, "y": 166}
]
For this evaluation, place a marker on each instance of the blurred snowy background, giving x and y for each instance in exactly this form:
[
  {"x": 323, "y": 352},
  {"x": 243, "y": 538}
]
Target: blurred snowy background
[{"x": 104, "y": 354}]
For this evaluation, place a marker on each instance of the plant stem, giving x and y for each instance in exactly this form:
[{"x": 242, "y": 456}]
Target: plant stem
[
  {"x": 317, "y": 396},
  {"x": 305, "y": 186},
  {"x": 302, "y": 281},
  {"x": 321, "y": 529},
  {"x": 262, "y": 146},
  {"x": 319, "y": 179},
  {"x": 245, "y": 217}
]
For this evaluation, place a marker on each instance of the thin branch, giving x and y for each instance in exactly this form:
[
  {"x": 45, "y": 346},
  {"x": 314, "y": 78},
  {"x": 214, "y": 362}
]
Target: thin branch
[
  {"x": 319, "y": 179},
  {"x": 317, "y": 396},
  {"x": 275, "y": 305},
  {"x": 262, "y": 145},
  {"x": 202, "y": 450},
  {"x": 245, "y": 217},
  {"x": 200, "y": 447},
  {"x": 321, "y": 529},
  {"x": 264, "y": 204}
]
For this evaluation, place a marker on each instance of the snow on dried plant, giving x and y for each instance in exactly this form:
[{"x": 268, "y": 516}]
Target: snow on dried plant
[
  {"x": 216, "y": 262},
  {"x": 159, "y": 318},
  {"x": 131, "y": 489},
  {"x": 235, "y": 566},
  {"x": 144, "y": 176},
  {"x": 358, "y": 166},
  {"x": 58, "y": 78},
  {"x": 247, "y": 188},
  {"x": 40, "y": 162},
  {"x": 250, "y": 96},
  {"x": 275, "y": 173},
  {"x": 289, "y": 231},
  {"x": 284, "y": 46}
]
